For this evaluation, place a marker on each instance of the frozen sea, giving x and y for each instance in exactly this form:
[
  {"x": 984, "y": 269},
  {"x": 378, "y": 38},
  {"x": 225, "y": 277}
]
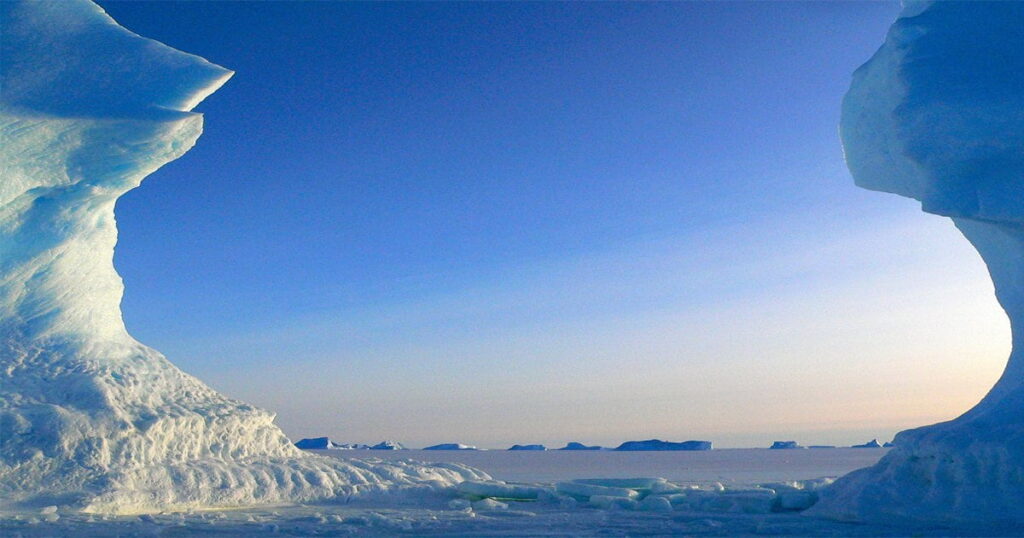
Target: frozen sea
[
  {"x": 441, "y": 515},
  {"x": 731, "y": 467}
]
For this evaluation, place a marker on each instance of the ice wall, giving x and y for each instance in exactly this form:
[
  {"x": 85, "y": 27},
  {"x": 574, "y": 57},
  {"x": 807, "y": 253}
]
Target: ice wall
[
  {"x": 89, "y": 417},
  {"x": 937, "y": 114}
]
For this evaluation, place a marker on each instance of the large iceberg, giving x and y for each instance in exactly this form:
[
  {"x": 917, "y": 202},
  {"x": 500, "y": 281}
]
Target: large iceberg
[
  {"x": 90, "y": 418},
  {"x": 937, "y": 114}
]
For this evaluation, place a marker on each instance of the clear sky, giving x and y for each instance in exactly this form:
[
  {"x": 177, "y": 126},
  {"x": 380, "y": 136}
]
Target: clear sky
[{"x": 536, "y": 222}]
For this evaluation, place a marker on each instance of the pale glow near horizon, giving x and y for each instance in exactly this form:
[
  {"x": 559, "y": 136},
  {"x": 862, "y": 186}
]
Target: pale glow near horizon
[{"x": 822, "y": 330}]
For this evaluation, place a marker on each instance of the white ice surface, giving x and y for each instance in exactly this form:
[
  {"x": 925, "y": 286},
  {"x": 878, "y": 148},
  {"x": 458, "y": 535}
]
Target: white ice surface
[{"x": 661, "y": 508}]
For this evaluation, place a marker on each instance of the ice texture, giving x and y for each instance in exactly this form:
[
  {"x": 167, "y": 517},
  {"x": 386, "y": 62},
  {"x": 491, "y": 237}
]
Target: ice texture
[
  {"x": 937, "y": 114},
  {"x": 90, "y": 419}
]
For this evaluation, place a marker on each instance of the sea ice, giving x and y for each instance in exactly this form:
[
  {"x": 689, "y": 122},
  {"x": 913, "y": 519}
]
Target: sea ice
[{"x": 90, "y": 419}]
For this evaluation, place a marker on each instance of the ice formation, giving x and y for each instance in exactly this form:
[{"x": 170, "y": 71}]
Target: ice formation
[
  {"x": 657, "y": 444},
  {"x": 937, "y": 114},
  {"x": 90, "y": 418}
]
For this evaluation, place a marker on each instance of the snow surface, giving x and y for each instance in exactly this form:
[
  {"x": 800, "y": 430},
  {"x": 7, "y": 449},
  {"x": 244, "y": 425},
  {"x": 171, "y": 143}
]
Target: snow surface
[
  {"x": 937, "y": 114},
  {"x": 645, "y": 506},
  {"x": 91, "y": 419}
]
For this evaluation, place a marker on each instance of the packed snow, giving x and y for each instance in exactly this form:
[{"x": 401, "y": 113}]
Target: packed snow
[{"x": 937, "y": 115}]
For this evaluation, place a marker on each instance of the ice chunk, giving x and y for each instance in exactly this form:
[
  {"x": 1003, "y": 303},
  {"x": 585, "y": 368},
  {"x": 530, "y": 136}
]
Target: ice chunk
[
  {"x": 489, "y": 504},
  {"x": 583, "y": 490},
  {"x": 499, "y": 490},
  {"x": 613, "y": 502},
  {"x": 629, "y": 483},
  {"x": 785, "y": 445},
  {"x": 656, "y": 503},
  {"x": 870, "y": 444}
]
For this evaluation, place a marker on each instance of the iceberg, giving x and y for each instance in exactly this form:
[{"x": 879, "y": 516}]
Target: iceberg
[
  {"x": 388, "y": 445},
  {"x": 450, "y": 446},
  {"x": 578, "y": 446},
  {"x": 528, "y": 447},
  {"x": 324, "y": 443},
  {"x": 91, "y": 419},
  {"x": 657, "y": 444},
  {"x": 937, "y": 115},
  {"x": 786, "y": 445},
  {"x": 870, "y": 444}
]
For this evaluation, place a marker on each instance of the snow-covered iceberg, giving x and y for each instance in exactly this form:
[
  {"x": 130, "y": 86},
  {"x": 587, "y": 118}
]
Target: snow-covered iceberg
[
  {"x": 937, "y": 114},
  {"x": 90, "y": 418}
]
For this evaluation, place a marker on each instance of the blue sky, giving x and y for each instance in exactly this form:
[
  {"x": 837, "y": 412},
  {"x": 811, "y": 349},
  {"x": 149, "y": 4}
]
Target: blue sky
[{"x": 537, "y": 222}]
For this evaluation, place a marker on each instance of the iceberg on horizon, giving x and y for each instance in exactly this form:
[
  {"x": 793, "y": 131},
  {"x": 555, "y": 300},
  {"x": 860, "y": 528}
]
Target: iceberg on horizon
[
  {"x": 528, "y": 447},
  {"x": 451, "y": 446},
  {"x": 657, "y": 444},
  {"x": 579, "y": 446},
  {"x": 91, "y": 419}
]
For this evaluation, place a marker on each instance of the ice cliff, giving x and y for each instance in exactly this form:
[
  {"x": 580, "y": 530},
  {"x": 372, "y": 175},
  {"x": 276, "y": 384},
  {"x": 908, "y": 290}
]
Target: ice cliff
[
  {"x": 937, "y": 114},
  {"x": 89, "y": 417}
]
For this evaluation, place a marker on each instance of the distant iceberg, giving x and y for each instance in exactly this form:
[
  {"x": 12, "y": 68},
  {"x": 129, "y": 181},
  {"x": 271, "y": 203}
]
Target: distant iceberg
[
  {"x": 786, "y": 445},
  {"x": 388, "y": 445},
  {"x": 657, "y": 444},
  {"x": 450, "y": 446},
  {"x": 528, "y": 447},
  {"x": 870, "y": 444},
  {"x": 579, "y": 446},
  {"x": 315, "y": 443}
]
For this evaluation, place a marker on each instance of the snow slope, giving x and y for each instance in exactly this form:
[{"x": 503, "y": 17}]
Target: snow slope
[
  {"x": 937, "y": 115},
  {"x": 90, "y": 418}
]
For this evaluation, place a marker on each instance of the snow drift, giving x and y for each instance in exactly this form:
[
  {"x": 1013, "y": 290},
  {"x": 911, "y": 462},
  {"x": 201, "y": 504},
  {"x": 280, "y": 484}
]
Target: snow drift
[
  {"x": 89, "y": 417},
  {"x": 937, "y": 114}
]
